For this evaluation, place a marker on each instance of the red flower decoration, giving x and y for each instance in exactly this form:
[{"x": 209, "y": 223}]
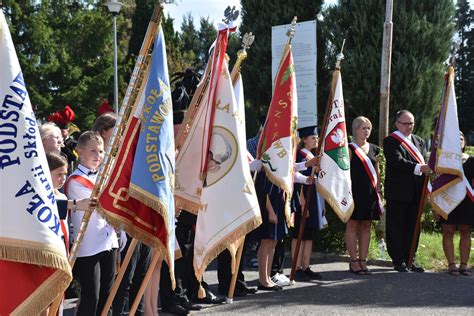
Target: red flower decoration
[
  {"x": 105, "y": 108},
  {"x": 62, "y": 118}
]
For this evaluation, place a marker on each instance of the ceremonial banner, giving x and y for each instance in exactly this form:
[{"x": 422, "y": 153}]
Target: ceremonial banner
[
  {"x": 231, "y": 204},
  {"x": 150, "y": 220},
  {"x": 277, "y": 143},
  {"x": 188, "y": 182},
  {"x": 193, "y": 140},
  {"x": 334, "y": 179},
  {"x": 448, "y": 188},
  {"x": 152, "y": 181},
  {"x": 34, "y": 269}
]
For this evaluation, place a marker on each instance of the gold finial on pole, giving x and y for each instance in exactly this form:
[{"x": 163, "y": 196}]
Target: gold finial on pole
[
  {"x": 247, "y": 41},
  {"x": 291, "y": 31},
  {"x": 340, "y": 56}
]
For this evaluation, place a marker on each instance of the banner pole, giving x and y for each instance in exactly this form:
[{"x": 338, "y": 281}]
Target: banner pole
[
  {"x": 233, "y": 281},
  {"x": 118, "y": 279},
  {"x": 146, "y": 280},
  {"x": 416, "y": 232},
  {"x": 128, "y": 101},
  {"x": 309, "y": 193}
]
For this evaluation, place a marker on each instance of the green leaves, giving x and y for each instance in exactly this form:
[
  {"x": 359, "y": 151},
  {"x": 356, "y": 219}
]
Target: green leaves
[
  {"x": 422, "y": 34},
  {"x": 287, "y": 74}
]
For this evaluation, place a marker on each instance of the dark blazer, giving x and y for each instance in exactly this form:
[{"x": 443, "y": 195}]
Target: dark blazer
[{"x": 401, "y": 184}]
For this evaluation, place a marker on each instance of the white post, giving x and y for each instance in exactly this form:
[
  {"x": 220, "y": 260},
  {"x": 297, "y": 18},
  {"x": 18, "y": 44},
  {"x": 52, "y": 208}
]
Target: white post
[
  {"x": 385, "y": 72},
  {"x": 115, "y": 66}
]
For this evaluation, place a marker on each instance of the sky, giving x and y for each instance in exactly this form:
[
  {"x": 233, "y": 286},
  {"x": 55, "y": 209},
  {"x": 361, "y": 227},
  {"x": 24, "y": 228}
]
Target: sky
[{"x": 213, "y": 9}]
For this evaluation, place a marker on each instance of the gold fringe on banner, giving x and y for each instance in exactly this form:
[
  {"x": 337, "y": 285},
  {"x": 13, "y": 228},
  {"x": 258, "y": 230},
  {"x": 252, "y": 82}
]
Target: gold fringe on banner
[
  {"x": 122, "y": 223},
  {"x": 43, "y": 255},
  {"x": 187, "y": 205},
  {"x": 150, "y": 200},
  {"x": 344, "y": 217},
  {"x": 239, "y": 232}
]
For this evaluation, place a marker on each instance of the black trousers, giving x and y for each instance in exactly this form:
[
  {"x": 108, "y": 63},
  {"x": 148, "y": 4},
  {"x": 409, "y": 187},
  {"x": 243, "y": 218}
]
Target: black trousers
[
  {"x": 224, "y": 273},
  {"x": 168, "y": 297},
  {"x": 132, "y": 279},
  {"x": 188, "y": 282},
  {"x": 96, "y": 276},
  {"x": 400, "y": 226},
  {"x": 278, "y": 258}
]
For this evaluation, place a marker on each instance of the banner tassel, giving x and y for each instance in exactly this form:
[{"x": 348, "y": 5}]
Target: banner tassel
[{"x": 201, "y": 292}]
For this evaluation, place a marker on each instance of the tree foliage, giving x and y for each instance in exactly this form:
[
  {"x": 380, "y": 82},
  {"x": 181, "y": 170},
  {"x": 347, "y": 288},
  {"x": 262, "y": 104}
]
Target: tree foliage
[
  {"x": 465, "y": 65},
  {"x": 422, "y": 36},
  {"x": 66, "y": 54}
]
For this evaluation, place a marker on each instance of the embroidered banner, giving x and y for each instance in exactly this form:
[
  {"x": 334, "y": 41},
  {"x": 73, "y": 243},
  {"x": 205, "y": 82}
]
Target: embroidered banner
[{"x": 34, "y": 269}]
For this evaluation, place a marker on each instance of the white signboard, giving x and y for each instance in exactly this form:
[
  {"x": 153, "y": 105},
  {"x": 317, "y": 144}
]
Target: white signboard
[{"x": 304, "y": 54}]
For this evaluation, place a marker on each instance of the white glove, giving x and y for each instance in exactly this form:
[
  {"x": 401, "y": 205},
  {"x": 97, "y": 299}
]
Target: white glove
[
  {"x": 300, "y": 178},
  {"x": 122, "y": 240},
  {"x": 255, "y": 165}
]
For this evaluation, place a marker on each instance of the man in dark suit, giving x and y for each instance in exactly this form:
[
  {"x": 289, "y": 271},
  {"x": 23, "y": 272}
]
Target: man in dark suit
[{"x": 405, "y": 167}]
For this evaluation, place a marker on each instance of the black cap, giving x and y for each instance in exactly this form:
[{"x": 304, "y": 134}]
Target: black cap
[{"x": 308, "y": 131}]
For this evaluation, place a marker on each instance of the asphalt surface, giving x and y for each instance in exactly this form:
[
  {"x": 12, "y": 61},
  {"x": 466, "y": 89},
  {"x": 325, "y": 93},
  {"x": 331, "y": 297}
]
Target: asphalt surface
[
  {"x": 342, "y": 293},
  {"x": 384, "y": 292}
]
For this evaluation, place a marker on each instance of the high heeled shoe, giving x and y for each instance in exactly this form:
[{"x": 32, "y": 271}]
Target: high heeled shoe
[{"x": 358, "y": 272}]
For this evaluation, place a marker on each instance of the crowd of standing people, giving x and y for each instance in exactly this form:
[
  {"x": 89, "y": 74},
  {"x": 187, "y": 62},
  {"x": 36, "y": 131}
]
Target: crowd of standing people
[{"x": 103, "y": 246}]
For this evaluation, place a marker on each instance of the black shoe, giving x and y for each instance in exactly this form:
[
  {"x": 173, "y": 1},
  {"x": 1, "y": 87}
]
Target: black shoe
[
  {"x": 190, "y": 306},
  {"x": 269, "y": 288},
  {"x": 416, "y": 268},
  {"x": 301, "y": 276},
  {"x": 211, "y": 299},
  {"x": 250, "y": 290},
  {"x": 175, "y": 309},
  {"x": 238, "y": 292},
  {"x": 312, "y": 275},
  {"x": 400, "y": 267}
]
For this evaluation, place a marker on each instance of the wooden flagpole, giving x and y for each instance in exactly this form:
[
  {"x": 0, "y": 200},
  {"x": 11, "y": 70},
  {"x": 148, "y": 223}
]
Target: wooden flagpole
[
  {"x": 416, "y": 231},
  {"x": 154, "y": 260},
  {"x": 241, "y": 56},
  {"x": 309, "y": 193},
  {"x": 118, "y": 279},
  {"x": 233, "y": 281},
  {"x": 421, "y": 206},
  {"x": 125, "y": 111}
]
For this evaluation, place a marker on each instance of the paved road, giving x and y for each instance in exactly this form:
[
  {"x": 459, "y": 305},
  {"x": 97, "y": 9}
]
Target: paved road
[{"x": 384, "y": 292}]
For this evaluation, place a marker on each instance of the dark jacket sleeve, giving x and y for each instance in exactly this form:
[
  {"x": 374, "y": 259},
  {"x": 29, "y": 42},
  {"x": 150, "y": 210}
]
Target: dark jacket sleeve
[
  {"x": 401, "y": 184},
  {"x": 396, "y": 157},
  {"x": 62, "y": 208}
]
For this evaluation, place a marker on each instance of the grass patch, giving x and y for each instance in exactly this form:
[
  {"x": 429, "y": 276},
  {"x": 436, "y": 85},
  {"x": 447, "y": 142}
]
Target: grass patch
[
  {"x": 469, "y": 150},
  {"x": 430, "y": 253}
]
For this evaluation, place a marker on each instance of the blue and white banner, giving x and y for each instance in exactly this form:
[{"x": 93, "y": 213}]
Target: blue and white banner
[{"x": 152, "y": 180}]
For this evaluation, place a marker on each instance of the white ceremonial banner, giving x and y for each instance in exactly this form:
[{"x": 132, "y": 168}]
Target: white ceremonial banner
[
  {"x": 305, "y": 60},
  {"x": 188, "y": 182},
  {"x": 231, "y": 204},
  {"x": 448, "y": 189},
  {"x": 33, "y": 265},
  {"x": 334, "y": 179}
]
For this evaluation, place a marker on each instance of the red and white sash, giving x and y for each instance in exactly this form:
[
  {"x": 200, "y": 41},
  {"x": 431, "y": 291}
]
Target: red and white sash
[
  {"x": 409, "y": 146},
  {"x": 371, "y": 173},
  {"x": 250, "y": 158},
  {"x": 306, "y": 153},
  {"x": 82, "y": 180},
  {"x": 469, "y": 190}
]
